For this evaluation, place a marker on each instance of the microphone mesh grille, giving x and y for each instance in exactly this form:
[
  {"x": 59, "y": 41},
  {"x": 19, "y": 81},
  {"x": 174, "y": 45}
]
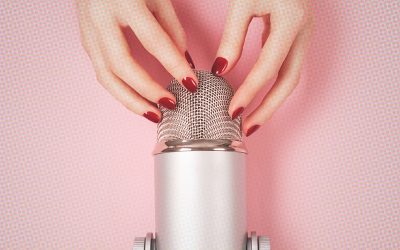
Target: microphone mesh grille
[{"x": 200, "y": 115}]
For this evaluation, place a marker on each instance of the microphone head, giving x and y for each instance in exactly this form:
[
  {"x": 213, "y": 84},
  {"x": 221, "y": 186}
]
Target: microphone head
[{"x": 200, "y": 115}]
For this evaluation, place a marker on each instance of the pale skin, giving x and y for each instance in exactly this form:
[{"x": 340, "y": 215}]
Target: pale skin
[{"x": 288, "y": 27}]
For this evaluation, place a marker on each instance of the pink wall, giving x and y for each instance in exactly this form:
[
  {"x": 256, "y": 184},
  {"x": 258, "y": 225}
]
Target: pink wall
[{"x": 76, "y": 167}]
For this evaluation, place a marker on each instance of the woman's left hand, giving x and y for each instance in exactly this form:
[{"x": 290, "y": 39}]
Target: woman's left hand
[{"x": 288, "y": 25}]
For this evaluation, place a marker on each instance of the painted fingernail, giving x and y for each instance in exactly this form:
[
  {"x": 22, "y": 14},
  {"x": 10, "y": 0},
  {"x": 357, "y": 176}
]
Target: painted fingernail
[
  {"x": 237, "y": 112},
  {"x": 167, "y": 103},
  {"x": 189, "y": 59},
  {"x": 152, "y": 117},
  {"x": 219, "y": 66},
  {"x": 190, "y": 84},
  {"x": 252, "y": 130}
]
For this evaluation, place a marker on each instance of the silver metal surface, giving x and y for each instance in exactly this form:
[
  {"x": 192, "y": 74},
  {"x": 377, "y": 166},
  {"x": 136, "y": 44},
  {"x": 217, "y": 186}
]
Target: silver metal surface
[
  {"x": 200, "y": 200},
  {"x": 258, "y": 243},
  {"x": 254, "y": 241},
  {"x": 263, "y": 243},
  {"x": 139, "y": 243},
  {"x": 144, "y": 243},
  {"x": 200, "y": 115},
  {"x": 248, "y": 244},
  {"x": 149, "y": 237},
  {"x": 199, "y": 145}
]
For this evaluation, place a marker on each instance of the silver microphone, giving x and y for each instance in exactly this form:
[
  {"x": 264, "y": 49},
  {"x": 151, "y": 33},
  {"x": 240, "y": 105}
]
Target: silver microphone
[{"x": 200, "y": 173}]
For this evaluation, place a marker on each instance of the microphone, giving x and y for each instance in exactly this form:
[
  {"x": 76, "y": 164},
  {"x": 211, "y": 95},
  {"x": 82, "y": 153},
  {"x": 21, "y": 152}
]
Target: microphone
[{"x": 200, "y": 174}]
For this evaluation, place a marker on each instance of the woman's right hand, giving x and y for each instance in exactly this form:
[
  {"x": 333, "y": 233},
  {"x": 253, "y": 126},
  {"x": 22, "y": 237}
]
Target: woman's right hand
[{"x": 157, "y": 27}]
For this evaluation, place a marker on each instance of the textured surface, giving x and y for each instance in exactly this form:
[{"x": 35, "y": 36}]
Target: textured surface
[
  {"x": 200, "y": 115},
  {"x": 76, "y": 170}
]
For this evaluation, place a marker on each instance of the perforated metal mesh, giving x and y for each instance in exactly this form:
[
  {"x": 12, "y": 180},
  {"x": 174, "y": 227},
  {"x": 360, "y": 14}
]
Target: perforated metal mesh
[{"x": 200, "y": 115}]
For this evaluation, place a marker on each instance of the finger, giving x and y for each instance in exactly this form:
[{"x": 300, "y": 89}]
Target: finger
[
  {"x": 122, "y": 64},
  {"x": 129, "y": 97},
  {"x": 273, "y": 54},
  {"x": 91, "y": 45},
  {"x": 286, "y": 82},
  {"x": 231, "y": 46},
  {"x": 118, "y": 89},
  {"x": 157, "y": 42},
  {"x": 167, "y": 18}
]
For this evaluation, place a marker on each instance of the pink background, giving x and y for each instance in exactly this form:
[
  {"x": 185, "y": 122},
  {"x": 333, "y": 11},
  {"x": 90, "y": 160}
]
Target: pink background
[{"x": 76, "y": 166}]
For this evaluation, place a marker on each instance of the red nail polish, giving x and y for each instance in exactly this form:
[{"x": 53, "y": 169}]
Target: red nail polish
[
  {"x": 189, "y": 59},
  {"x": 237, "y": 112},
  {"x": 167, "y": 103},
  {"x": 219, "y": 66},
  {"x": 152, "y": 117},
  {"x": 190, "y": 84},
  {"x": 252, "y": 130}
]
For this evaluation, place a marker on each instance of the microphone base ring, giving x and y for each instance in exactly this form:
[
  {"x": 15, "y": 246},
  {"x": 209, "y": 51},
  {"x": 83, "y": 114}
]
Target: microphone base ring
[{"x": 254, "y": 242}]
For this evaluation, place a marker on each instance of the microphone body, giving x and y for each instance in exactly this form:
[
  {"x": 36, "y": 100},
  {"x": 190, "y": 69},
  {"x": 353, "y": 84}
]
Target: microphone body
[{"x": 200, "y": 200}]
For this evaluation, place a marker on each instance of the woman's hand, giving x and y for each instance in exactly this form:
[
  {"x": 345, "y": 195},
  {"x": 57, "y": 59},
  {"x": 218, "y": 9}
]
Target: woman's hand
[
  {"x": 157, "y": 27},
  {"x": 288, "y": 25}
]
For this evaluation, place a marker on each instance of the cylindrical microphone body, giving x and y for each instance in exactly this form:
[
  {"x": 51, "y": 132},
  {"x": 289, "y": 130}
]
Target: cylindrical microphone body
[{"x": 200, "y": 200}]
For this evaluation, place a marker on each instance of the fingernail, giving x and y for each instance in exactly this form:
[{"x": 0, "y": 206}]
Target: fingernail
[
  {"x": 252, "y": 130},
  {"x": 152, "y": 117},
  {"x": 190, "y": 84},
  {"x": 219, "y": 66},
  {"x": 167, "y": 103},
  {"x": 237, "y": 112},
  {"x": 189, "y": 59}
]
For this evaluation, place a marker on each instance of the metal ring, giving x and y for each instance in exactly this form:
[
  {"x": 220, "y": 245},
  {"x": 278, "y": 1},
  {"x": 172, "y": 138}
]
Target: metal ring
[{"x": 199, "y": 145}]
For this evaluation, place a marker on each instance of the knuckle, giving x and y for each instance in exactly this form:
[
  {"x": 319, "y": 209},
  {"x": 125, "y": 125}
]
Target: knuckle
[
  {"x": 180, "y": 39},
  {"x": 130, "y": 105},
  {"x": 265, "y": 74},
  {"x": 148, "y": 40},
  {"x": 83, "y": 38},
  {"x": 294, "y": 15},
  {"x": 117, "y": 60},
  {"x": 150, "y": 46},
  {"x": 298, "y": 16},
  {"x": 97, "y": 12},
  {"x": 174, "y": 66},
  {"x": 270, "y": 75},
  {"x": 102, "y": 76},
  {"x": 85, "y": 46}
]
